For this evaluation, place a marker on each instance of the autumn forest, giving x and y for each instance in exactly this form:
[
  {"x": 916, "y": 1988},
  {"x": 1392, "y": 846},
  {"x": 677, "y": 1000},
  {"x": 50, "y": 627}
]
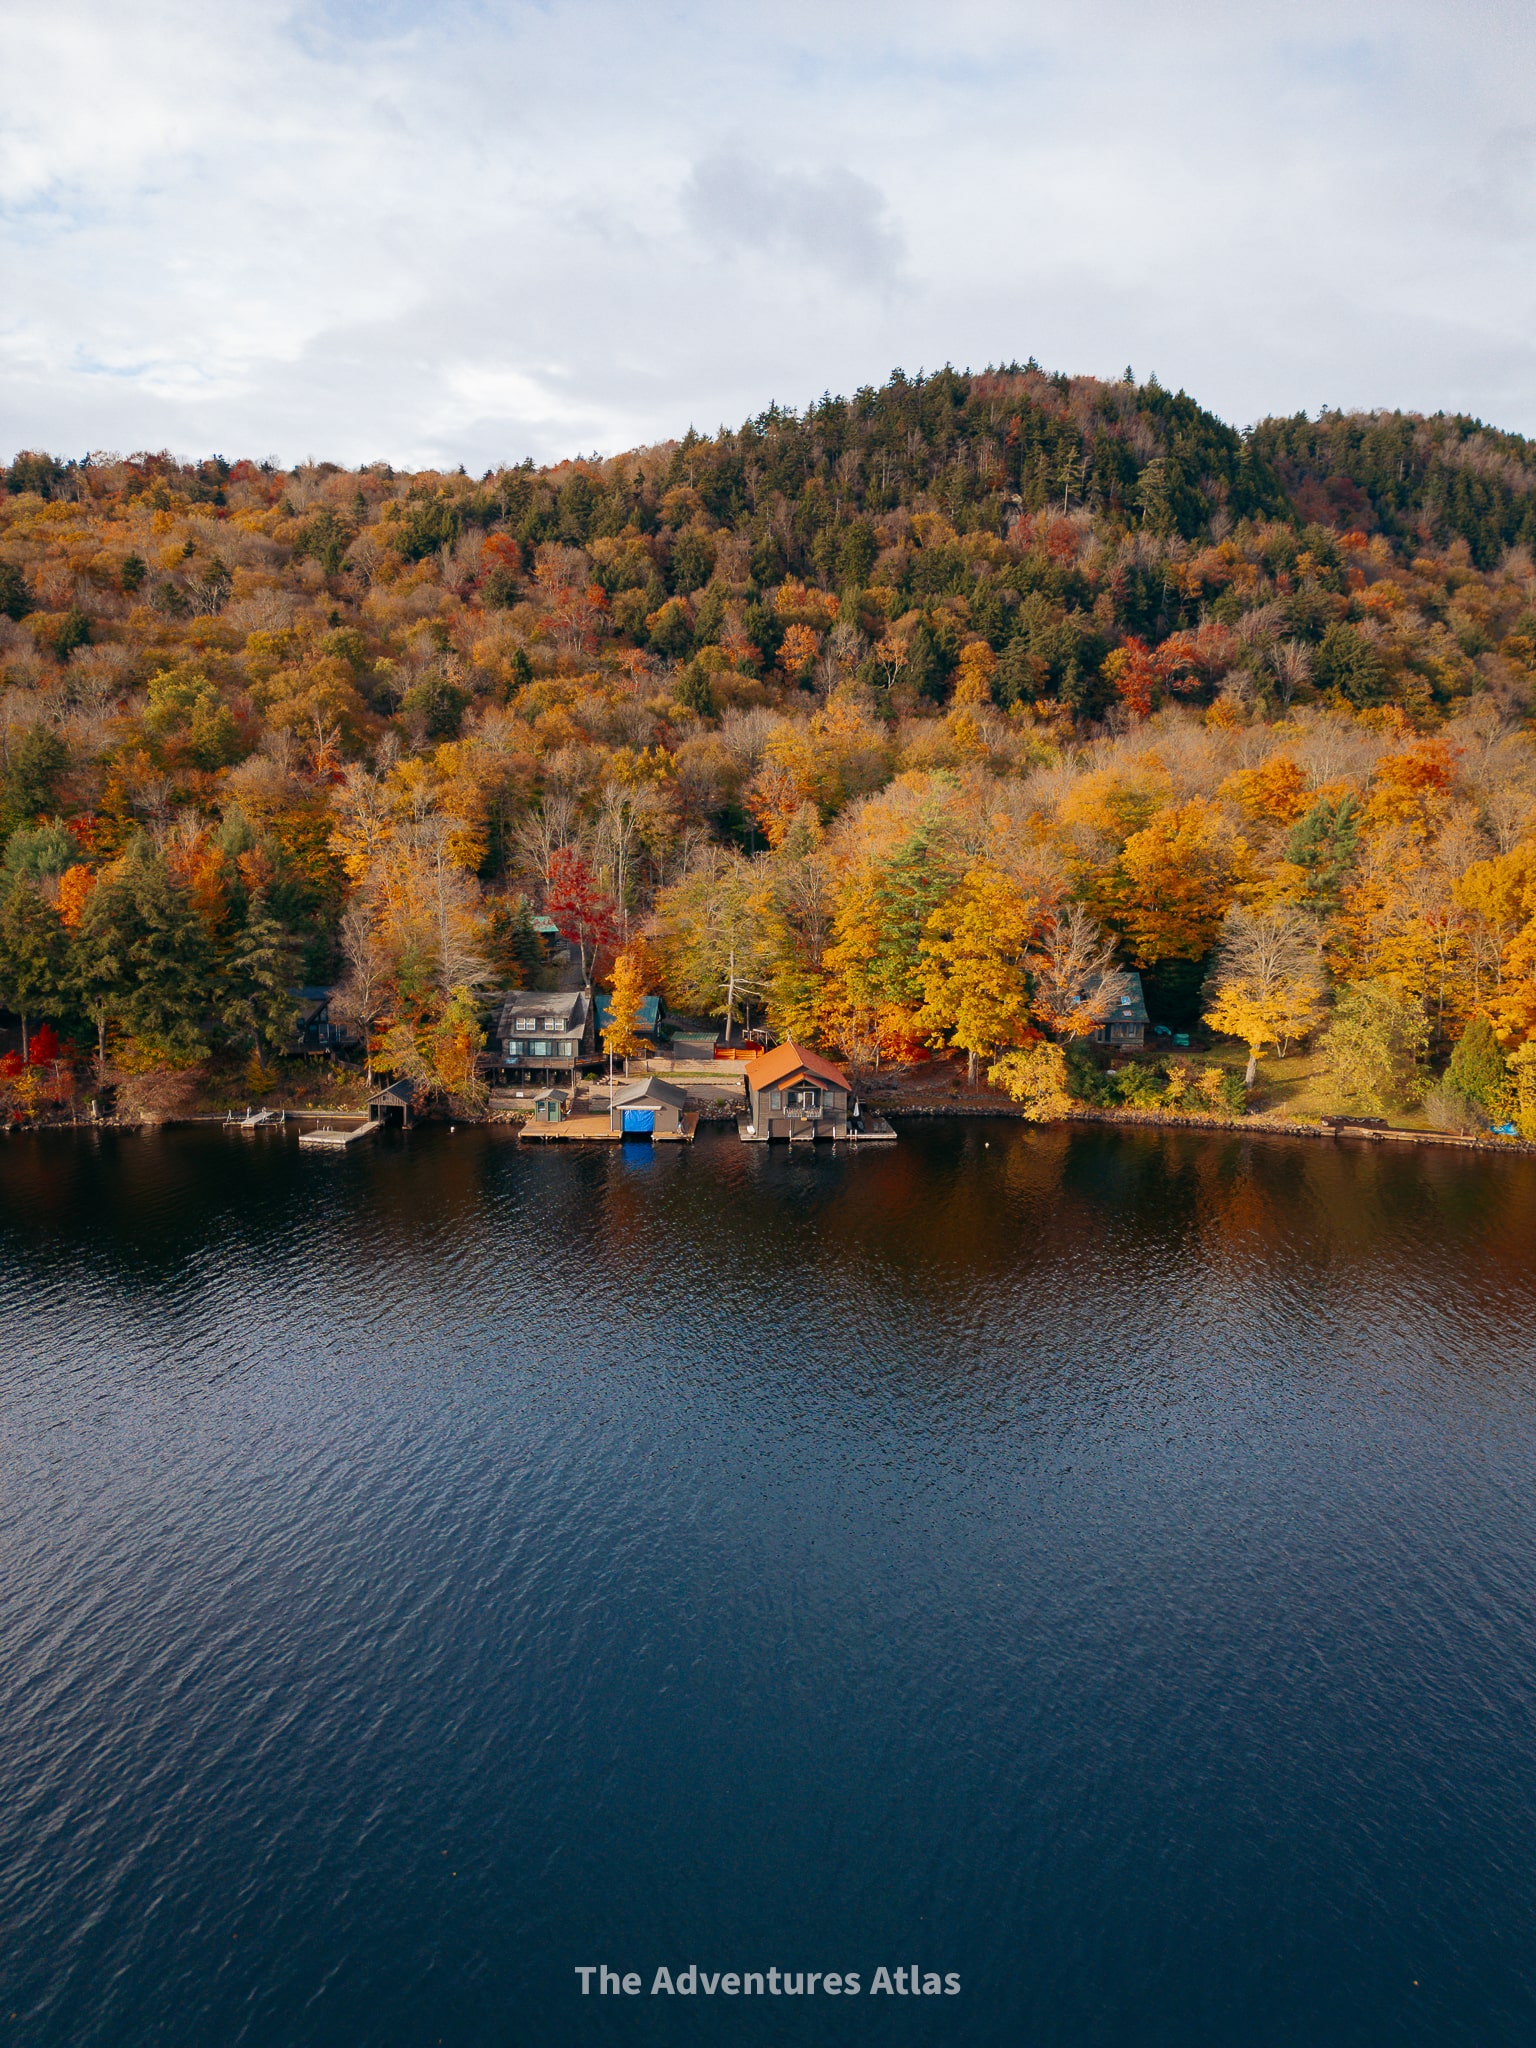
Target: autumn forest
[{"x": 905, "y": 725}]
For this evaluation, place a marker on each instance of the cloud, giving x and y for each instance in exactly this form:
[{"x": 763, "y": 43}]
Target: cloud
[
  {"x": 444, "y": 232},
  {"x": 832, "y": 218}
]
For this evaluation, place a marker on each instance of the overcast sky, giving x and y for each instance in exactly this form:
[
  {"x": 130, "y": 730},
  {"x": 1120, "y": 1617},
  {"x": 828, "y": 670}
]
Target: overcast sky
[{"x": 467, "y": 233}]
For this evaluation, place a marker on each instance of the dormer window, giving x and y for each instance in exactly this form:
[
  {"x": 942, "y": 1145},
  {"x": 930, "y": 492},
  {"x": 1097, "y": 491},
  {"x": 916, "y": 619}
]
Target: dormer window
[{"x": 527, "y": 1023}]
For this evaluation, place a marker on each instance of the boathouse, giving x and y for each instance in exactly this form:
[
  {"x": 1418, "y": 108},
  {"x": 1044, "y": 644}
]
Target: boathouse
[
  {"x": 648, "y": 1109},
  {"x": 541, "y": 1035},
  {"x": 792, "y": 1092},
  {"x": 393, "y": 1105}
]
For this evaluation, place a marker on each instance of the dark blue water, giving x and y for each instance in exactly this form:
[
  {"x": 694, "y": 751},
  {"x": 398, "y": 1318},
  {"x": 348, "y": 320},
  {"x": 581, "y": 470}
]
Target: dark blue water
[{"x": 1098, "y": 1565}]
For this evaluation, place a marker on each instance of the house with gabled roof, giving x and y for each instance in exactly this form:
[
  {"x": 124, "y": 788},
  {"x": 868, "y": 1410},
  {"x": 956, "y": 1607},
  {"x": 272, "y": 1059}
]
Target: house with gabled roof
[
  {"x": 543, "y": 1035},
  {"x": 795, "y": 1093},
  {"x": 1123, "y": 1009}
]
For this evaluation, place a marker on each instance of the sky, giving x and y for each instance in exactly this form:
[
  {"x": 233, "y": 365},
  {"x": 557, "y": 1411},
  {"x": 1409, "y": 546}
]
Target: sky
[{"x": 469, "y": 233}]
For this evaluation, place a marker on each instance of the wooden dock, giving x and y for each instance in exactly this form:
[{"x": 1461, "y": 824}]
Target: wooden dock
[
  {"x": 334, "y": 1138},
  {"x": 595, "y": 1130}
]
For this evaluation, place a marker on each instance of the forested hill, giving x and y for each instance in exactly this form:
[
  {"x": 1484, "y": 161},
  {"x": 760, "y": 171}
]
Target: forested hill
[
  {"x": 1043, "y": 624},
  {"x": 981, "y": 448}
]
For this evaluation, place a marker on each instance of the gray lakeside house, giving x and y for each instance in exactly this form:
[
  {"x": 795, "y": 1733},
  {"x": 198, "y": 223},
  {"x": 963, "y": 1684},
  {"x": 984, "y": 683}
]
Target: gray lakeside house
[
  {"x": 1126, "y": 1023},
  {"x": 543, "y": 1035}
]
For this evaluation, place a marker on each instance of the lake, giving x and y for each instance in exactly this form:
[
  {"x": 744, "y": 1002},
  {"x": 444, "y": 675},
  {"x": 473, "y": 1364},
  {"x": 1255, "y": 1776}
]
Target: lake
[{"x": 1099, "y": 1565}]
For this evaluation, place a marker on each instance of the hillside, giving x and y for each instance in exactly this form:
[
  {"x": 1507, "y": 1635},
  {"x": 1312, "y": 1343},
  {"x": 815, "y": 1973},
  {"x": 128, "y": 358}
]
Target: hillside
[{"x": 850, "y": 712}]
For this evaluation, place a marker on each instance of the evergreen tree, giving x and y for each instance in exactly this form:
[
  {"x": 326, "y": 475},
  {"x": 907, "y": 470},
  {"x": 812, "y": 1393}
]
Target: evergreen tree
[
  {"x": 255, "y": 994},
  {"x": 913, "y": 885},
  {"x": 29, "y": 784},
  {"x": 1325, "y": 842},
  {"x": 1349, "y": 664},
  {"x": 513, "y": 949},
  {"x": 142, "y": 959},
  {"x": 34, "y": 952},
  {"x": 15, "y": 598},
  {"x": 1478, "y": 1069},
  {"x": 33, "y": 853}
]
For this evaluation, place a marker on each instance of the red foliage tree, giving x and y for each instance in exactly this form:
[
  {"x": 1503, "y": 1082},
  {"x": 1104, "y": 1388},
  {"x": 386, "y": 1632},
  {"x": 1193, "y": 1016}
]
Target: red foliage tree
[
  {"x": 45, "y": 1048},
  {"x": 578, "y": 906}
]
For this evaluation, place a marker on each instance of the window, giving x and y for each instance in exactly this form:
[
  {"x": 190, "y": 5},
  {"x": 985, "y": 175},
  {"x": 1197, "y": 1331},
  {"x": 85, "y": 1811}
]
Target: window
[
  {"x": 551, "y": 1023},
  {"x": 540, "y": 1047},
  {"x": 527, "y": 1023}
]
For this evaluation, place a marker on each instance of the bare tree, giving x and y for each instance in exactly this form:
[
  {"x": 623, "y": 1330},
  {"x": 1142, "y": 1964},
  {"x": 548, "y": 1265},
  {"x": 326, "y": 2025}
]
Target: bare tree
[
  {"x": 1292, "y": 664},
  {"x": 449, "y": 899},
  {"x": 1077, "y": 984},
  {"x": 363, "y": 996},
  {"x": 614, "y": 835},
  {"x": 544, "y": 832}
]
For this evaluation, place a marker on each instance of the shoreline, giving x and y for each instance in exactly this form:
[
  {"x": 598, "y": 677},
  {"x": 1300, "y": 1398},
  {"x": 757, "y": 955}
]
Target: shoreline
[{"x": 1260, "y": 1125}]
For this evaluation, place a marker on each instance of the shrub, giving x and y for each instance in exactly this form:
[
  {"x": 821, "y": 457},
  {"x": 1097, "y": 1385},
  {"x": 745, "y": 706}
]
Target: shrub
[
  {"x": 1138, "y": 1086},
  {"x": 1086, "y": 1080},
  {"x": 1222, "y": 1092},
  {"x": 1448, "y": 1109}
]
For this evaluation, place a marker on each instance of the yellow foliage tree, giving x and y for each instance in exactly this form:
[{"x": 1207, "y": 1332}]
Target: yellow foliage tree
[
  {"x": 1175, "y": 881},
  {"x": 798, "y": 651},
  {"x": 1521, "y": 1108},
  {"x": 973, "y": 677},
  {"x": 627, "y": 993},
  {"x": 1269, "y": 987},
  {"x": 1036, "y": 1077},
  {"x": 975, "y": 983},
  {"x": 75, "y": 886}
]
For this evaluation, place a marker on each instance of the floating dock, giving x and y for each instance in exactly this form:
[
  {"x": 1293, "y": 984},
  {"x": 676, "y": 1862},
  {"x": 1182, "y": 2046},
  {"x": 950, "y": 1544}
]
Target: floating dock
[{"x": 335, "y": 1138}]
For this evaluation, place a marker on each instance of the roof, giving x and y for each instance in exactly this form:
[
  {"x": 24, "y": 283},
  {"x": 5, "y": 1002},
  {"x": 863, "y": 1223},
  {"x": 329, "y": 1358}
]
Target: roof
[
  {"x": 397, "y": 1091},
  {"x": 788, "y": 1059},
  {"x": 1128, "y": 1004},
  {"x": 566, "y": 1005},
  {"x": 545, "y": 927},
  {"x": 647, "y": 1020},
  {"x": 652, "y": 1089}
]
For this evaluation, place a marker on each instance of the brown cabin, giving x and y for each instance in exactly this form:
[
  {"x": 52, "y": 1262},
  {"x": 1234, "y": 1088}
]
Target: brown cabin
[{"x": 791, "y": 1088}]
